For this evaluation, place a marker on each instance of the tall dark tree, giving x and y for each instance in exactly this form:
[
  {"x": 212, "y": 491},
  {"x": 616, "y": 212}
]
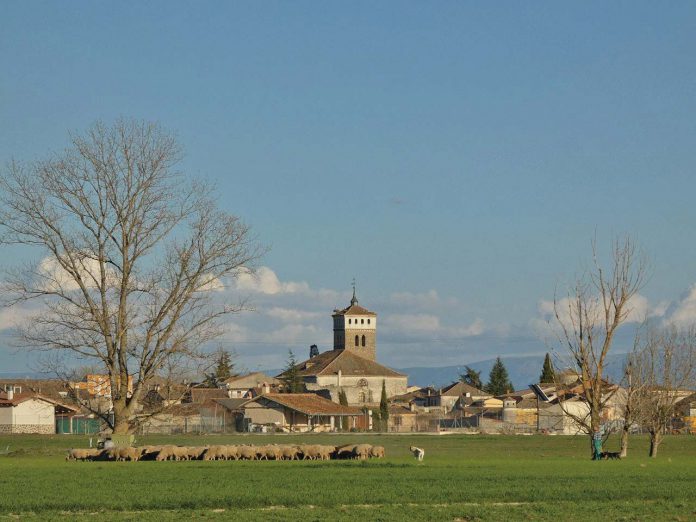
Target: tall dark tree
[
  {"x": 471, "y": 377},
  {"x": 343, "y": 401},
  {"x": 548, "y": 375},
  {"x": 223, "y": 370},
  {"x": 291, "y": 378},
  {"x": 498, "y": 380},
  {"x": 384, "y": 407}
]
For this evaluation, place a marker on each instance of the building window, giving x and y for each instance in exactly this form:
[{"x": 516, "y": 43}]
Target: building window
[
  {"x": 362, "y": 321},
  {"x": 362, "y": 383},
  {"x": 368, "y": 321},
  {"x": 349, "y": 321},
  {"x": 363, "y": 340},
  {"x": 357, "y": 341}
]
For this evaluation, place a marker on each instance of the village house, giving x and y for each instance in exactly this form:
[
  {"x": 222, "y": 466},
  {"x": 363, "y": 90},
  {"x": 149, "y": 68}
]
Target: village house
[
  {"x": 297, "y": 412},
  {"x": 251, "y": 384},
  {"x": 30, "y": 412}
]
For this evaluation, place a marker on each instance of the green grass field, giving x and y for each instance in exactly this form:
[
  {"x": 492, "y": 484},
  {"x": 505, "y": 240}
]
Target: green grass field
[{"x": 462, "y": 478}]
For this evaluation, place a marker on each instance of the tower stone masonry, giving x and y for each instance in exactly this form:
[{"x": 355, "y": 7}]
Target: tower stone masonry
[{"x": 355, "y": 330}]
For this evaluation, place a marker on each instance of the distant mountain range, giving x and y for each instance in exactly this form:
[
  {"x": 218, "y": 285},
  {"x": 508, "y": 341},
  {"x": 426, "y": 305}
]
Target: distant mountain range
[{"x": 522, "y": 371}]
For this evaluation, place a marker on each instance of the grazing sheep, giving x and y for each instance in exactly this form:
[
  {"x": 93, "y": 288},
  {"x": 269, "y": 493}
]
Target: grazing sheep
[
  {"x": 181, "y": 453},
  {"x": 362, "y": 451},
  {"x": 77, "y": 454},
  {"x": 149, "y": 452},
  {"x": 345, "y": 452},
  {"x": 289, "y": 452},
  {"x": 273, "y": 452},
  {"x": 417, "y": 452},
  {"x": 309, "y": 451},
  {"x": 325, "y": 452},
  {"x": 195, "y": 452},
  {"x": 166, "y": 453},
  {"x": 377, "y": 452},
  {"x": 216, "y": 453},
  {"x": 232, "y": 453},
  {"x": 246, "y": 452},
  {"x": 124, "y": 454}
]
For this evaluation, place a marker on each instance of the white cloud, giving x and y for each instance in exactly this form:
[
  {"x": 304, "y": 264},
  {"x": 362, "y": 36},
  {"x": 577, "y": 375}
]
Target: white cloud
[
  {"x": 289, "y": 315},
  {"x": 265, "y": 281},
  {"x": 683, "y": 311}
]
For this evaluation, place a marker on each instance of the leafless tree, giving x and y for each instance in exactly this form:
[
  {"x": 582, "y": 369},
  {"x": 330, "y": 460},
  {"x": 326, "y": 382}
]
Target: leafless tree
[
  {"x": 133, "y": 253},
  {"x": 589, "y": 317},
  {"x": 664, "y": 370},
  {"x": 632, "y": 388}
]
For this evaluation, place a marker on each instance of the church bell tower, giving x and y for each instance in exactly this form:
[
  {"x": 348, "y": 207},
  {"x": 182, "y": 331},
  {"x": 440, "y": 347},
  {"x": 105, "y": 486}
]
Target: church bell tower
[{"x": 355, "y": 330}]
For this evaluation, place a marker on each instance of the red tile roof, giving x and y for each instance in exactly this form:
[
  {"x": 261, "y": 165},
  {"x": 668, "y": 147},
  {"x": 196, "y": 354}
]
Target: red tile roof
[
  {"x": 307, "y": 403},
  {"x": 330, "y": 362}
]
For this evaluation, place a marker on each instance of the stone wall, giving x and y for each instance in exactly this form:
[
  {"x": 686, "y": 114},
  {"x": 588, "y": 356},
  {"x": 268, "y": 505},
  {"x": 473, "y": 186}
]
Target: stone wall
[
  {"x": 359, "y": 390},
  {"x": 42, "y": 429}
]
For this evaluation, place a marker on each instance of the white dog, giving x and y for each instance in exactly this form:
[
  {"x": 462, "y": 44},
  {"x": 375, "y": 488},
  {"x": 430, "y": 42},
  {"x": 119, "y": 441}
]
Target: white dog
[{"x": 417, "y": 452}]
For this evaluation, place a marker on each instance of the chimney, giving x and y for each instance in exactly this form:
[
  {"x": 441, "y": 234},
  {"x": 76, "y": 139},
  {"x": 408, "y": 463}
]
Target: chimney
[
  {"x": 10, "y": 393},
  {"x": 313, "y": 351},
  {"x": 339, "y": 378},
  {"x": 266, "y": 388}
]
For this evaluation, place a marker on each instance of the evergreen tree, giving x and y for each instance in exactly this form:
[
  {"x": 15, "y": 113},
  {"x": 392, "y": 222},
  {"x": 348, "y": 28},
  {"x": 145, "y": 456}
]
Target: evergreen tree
[
  {"x": 343, "y": 401},
  {"x": 384, "y": 407},
  {"x": 224, "y": 369},
  {"x": 291, "y": 378},
  {"x": 498, "y": 380},
  {"x": 471, "y": 377},
  {"x": 548, "y": 375}
]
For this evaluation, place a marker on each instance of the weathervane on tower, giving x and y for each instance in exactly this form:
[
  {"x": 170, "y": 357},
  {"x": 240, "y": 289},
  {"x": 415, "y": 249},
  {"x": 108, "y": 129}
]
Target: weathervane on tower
[{"x": 354, "y": 301}]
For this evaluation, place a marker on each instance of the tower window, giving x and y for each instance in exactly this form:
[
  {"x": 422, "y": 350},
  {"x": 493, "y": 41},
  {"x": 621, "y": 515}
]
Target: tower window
[
  {"x": 362, "y": 321},
  {"x": 349, "y": 320},
  {"x": 363, "y": 340},
  {"x": 368, "y": 321},
  {"x": 357, "y": 341}
]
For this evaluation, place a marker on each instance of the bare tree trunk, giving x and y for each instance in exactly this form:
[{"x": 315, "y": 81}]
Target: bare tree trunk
[
  {"x": 655, "y": 440},
  {"x": 624, "y": 441}
]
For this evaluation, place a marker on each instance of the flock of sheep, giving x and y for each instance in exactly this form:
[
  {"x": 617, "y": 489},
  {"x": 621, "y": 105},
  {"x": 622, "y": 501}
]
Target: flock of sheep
[{"x": 230, "y": 452}]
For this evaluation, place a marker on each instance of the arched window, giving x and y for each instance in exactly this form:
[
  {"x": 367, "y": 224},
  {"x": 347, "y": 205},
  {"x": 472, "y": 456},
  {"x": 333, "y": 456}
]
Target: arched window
[
  {"x": 349, "y": 320},
  {"x": 363, "y": 340},
  {"x": 362, "y": 321},
  {"x": 357, "y": 341},
  {"x": 368, "y": 321}
]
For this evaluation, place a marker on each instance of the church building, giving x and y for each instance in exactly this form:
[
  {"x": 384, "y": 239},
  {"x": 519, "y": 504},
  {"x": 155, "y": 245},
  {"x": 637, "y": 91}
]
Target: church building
[{"x": 352, "y": 364}]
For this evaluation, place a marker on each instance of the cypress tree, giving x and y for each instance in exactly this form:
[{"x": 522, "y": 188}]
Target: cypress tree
[
  {"x": 343, "y": 400},
  {"x": 384, "y": 407},
  {"x": 548, "y": 375},
  {"x": 498, "y": 380}
]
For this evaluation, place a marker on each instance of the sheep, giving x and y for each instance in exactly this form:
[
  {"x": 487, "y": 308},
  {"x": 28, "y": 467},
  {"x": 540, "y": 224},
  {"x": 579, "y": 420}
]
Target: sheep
[
  {"x": 273, "y": 452},
  {"x": 289, "y": 452},
  {"x": 246, "y": 452},
  {"x": 231, "y": 453},
  {"x": 377, "y": 452},
  {"x": 181, "y": 453},
  {"x": 215, "y": 453},
  {"x": 362, "y": 451},
  {"x": 309, "y": 451},
  {"x": 166, "y": 452},
  {"x": 417, "y": 452},
  {"x": 325, "y": 452},
  {"x": 345, "y": 452},
  {"x": 149, "y": 452},
  {"x": 124, "y": 454},
  {"x": 195, "y": 452},
  {"x": 78, "y": 454}
]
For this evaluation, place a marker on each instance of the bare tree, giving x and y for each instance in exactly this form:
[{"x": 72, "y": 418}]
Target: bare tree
[
  {"x": 589, "y": 318},
  {"x": 664, "y": 370},
  {"x": 632, "y": 388},
  {"x": 133, "y": 254}
]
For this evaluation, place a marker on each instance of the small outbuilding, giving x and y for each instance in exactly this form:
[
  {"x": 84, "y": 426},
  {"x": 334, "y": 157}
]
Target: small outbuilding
[{"x": 297, "y": 412}]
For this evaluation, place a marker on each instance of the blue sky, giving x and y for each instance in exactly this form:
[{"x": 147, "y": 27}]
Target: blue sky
[{"x": 456, "y": 158}]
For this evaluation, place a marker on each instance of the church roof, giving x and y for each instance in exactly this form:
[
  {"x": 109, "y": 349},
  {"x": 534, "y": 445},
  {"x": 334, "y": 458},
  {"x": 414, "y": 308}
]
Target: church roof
[
  {"x": 354, "y": 309},
  {"x": 330, "y": 362}
]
